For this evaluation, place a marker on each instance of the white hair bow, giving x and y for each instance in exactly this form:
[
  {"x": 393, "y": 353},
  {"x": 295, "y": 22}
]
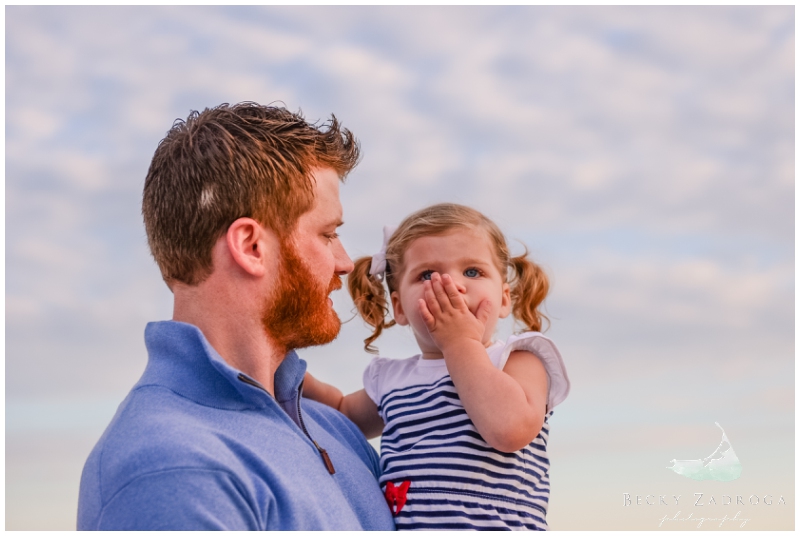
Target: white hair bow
[{"x": 378, "y": 266}]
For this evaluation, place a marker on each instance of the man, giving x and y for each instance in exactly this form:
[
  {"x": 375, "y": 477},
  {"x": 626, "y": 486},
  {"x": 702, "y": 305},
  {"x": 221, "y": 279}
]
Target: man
[{"x": 241, "y": 207}]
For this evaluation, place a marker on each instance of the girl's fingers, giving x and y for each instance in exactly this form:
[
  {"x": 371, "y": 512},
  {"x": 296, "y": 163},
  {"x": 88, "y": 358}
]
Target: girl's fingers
[
  {"x": 427, "y": 317},
  {"x": 430, "y": 299},
  {"x": 453, "y": 295},
  {"x": 483, "y": 311},
  {"x": 439, "y": 290}
]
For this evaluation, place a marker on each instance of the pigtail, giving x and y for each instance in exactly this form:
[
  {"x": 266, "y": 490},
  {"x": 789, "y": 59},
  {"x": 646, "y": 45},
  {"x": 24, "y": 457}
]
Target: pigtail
[
  {"x": 529, "y": 288},
  {"x": 370, "y": 298}
]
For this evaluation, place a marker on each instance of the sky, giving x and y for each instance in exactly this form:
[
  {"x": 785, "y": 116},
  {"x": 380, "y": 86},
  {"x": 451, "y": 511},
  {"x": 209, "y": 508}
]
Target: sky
[{"x": 643, "y": 155}]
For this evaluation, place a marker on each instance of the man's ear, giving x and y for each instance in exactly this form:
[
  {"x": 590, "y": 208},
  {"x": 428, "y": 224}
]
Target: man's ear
[
  {"x": 397, "y": 310},
  {"x": 252, "y": 246}
]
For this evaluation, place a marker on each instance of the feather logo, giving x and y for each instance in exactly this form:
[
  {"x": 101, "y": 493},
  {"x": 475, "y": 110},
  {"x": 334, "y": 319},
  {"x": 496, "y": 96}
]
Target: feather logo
[{"x": 721, "y": 465}]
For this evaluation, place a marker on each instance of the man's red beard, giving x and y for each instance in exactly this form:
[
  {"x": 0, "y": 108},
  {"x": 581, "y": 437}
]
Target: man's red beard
[{"x": 297, "y": 314}]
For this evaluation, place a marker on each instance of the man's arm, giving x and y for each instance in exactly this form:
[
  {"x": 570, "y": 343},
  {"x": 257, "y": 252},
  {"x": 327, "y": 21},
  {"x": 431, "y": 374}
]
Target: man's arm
[{"x": 179, "y": 499}]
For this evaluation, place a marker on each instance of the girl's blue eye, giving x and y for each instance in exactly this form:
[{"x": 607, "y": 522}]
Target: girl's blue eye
[
  {"x": 472, "y": 272},
  {"x": 426, "y": 275}
]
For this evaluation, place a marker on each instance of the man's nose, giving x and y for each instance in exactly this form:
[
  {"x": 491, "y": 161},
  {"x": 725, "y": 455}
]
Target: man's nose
[{"x": 344, "y": 265}]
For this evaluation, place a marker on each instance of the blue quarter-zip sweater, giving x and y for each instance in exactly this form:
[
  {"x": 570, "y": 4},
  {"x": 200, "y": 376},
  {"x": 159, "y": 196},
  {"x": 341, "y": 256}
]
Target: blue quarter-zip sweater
[{"x": 198, "y": 445}]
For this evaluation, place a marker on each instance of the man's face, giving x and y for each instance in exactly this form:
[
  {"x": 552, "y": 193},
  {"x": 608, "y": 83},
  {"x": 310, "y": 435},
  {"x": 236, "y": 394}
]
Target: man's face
[{"x": 299, "y": 312}]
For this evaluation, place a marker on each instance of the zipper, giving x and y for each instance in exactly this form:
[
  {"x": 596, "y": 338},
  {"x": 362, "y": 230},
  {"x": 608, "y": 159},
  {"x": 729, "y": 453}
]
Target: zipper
[
  {"x": 254, "y": 383},
  {"x": 322, "y": 452}
]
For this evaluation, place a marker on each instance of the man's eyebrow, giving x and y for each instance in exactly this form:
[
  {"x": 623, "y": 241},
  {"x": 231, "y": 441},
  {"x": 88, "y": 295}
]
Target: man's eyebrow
[{"x": 334, "y": 223}]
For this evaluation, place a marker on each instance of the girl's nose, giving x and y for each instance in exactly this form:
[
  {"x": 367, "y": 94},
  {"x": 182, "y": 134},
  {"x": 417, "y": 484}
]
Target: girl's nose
[{"x": 461, "y": 288}]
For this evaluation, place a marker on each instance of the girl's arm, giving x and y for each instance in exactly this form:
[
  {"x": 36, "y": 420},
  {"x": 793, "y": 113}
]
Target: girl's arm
[
  {"x": 358, "y": 407},
  {"x": 506, "y": 406},
  {"x": 507, "y": 414}
]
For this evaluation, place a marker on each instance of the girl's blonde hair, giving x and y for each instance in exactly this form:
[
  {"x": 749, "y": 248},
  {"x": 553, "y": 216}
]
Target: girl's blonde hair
[{"x": 529, "y": 284}]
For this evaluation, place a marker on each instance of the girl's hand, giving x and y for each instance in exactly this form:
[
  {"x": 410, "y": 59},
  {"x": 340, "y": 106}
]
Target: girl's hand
[{"x": 447, "y": 317}]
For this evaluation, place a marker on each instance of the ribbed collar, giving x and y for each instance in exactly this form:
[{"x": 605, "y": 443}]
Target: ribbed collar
[{"x": 182, "y": 360}]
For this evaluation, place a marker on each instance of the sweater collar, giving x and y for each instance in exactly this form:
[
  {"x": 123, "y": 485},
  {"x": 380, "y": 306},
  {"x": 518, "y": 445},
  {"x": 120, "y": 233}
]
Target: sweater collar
[{"x": 182, "y": 360}]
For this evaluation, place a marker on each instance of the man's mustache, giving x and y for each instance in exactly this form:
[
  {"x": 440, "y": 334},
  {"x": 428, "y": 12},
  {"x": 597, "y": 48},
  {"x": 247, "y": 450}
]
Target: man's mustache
[{"x": 336, "y": 283}]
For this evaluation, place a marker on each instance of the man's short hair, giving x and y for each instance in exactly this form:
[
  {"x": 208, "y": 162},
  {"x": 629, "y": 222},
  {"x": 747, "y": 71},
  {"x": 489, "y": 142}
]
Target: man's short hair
[{"x": 230, "y": 162}]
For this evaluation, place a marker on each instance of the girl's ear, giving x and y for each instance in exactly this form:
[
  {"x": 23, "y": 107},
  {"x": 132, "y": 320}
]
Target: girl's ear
[
  {"x": 505, "y": 301},
  {"x": 397, "y": 308}
]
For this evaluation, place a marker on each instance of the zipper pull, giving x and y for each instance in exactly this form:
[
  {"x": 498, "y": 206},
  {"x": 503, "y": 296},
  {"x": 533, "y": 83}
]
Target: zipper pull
[{"x": 325, "y": 458}]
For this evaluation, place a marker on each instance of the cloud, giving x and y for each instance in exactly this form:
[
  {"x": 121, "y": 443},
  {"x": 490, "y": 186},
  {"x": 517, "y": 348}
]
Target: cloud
[
  {"x": 676, "y": 292},
  {"x": 645, "y": 155},
  {"x": 567, "y": 123}
]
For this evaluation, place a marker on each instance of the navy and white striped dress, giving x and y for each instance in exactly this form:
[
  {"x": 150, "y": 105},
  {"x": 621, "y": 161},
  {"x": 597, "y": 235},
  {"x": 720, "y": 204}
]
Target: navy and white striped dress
[{"x": 456, "y": 480}]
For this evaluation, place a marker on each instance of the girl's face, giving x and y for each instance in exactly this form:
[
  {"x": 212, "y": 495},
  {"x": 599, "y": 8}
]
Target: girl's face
[{"x": 467, "y": 255}]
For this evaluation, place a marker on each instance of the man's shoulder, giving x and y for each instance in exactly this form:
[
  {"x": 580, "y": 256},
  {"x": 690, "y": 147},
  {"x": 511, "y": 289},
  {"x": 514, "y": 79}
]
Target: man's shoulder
[
  {"x": 165, "y": 415},
  {"x": 155, "y": 434},
  {"x": 203, "y": 461},
  {"x": 156, "y": 429}
]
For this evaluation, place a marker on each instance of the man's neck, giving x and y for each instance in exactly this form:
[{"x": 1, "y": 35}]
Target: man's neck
[{"x": 238, "y": 337}]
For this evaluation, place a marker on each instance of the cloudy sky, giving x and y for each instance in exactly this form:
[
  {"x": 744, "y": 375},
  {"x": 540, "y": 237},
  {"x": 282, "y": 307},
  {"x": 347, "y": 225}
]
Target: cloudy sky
[{"x": 645, "y": 156}]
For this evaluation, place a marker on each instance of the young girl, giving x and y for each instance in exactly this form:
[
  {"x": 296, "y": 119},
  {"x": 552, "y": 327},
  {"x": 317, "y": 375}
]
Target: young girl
[{"x": 464, "y": 422}]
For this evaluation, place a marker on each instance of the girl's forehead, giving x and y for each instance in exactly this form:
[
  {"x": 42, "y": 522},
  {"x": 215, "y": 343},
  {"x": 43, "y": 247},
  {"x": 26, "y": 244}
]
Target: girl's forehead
[{"x": 460, "y": 242}]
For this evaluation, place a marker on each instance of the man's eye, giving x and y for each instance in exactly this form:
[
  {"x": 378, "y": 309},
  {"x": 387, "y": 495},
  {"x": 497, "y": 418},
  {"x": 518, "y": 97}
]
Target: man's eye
[
  {"x": 472, "y": 272},
  {"x": 332, "y": 236},
  {"x": 426, "y": 275}
]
